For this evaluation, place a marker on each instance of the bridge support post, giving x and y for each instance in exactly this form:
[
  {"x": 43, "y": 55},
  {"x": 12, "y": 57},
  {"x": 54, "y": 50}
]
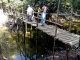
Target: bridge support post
[
  {"x": 70, "y": 25},
  {"x": 36, "y": 37},
  {"x": 79, "y": 41},
  {"x": 67, "y": 51},
  {"x": 54, "y": 48},
  {"x": 31, "y": 32},
  {"x": 24, "y": 41},
  {"x": 56, "y": 30}
]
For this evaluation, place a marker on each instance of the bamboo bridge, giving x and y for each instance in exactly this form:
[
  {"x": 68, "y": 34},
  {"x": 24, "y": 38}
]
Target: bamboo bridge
[{"x": 62, "y": 35}]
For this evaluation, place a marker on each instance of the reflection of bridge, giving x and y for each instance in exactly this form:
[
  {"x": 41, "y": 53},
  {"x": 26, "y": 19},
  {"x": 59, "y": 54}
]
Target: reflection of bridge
[{"x": 62, "y": 35}]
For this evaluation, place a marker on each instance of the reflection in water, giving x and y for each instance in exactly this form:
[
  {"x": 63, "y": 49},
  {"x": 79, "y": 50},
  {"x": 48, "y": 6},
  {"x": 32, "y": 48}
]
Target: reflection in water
[
  {"x": 8, "y": 41},
  {"x": 19, "y": 57}
]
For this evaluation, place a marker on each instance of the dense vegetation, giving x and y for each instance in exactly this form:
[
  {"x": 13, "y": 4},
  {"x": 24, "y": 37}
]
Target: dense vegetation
[{"x": 29, "y": 44}]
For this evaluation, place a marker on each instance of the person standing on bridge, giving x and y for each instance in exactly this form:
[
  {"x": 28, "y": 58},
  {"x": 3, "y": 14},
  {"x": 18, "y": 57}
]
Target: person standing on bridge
[
  {"x": 30, "y": 13},
  {"x": 43, "y": 14}
]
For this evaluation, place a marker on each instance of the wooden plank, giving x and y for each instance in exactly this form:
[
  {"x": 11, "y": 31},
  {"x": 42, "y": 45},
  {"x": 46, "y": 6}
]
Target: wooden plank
[
  {"x": 68, "y": 38},
  {"x": 55, "y": 23}
]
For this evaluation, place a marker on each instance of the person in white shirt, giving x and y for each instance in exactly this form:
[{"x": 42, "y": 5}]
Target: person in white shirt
[{"x": 30, "y": 13}]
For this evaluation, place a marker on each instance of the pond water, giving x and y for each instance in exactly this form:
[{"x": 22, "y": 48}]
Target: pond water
[{"x": 19, "y": 57}]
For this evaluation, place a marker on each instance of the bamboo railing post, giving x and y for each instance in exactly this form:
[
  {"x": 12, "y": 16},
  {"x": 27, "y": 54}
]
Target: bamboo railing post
[{"x": 55, "y": 30}]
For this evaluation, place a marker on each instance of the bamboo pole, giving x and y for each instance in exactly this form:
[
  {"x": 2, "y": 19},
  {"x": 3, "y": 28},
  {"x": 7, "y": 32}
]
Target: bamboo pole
[
  {"x": 70, "y": 23},
  {"x": 56, "y": 29}
]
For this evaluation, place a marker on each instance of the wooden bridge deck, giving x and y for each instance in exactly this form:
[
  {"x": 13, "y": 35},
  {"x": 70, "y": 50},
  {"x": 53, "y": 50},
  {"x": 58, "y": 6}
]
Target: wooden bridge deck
[{"x": 62, "y": 35}]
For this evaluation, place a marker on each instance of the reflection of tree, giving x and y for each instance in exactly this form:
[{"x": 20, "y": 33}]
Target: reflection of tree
[
  {"x": 7, "y": 42},
  {"x": 5, "y": 46}
]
